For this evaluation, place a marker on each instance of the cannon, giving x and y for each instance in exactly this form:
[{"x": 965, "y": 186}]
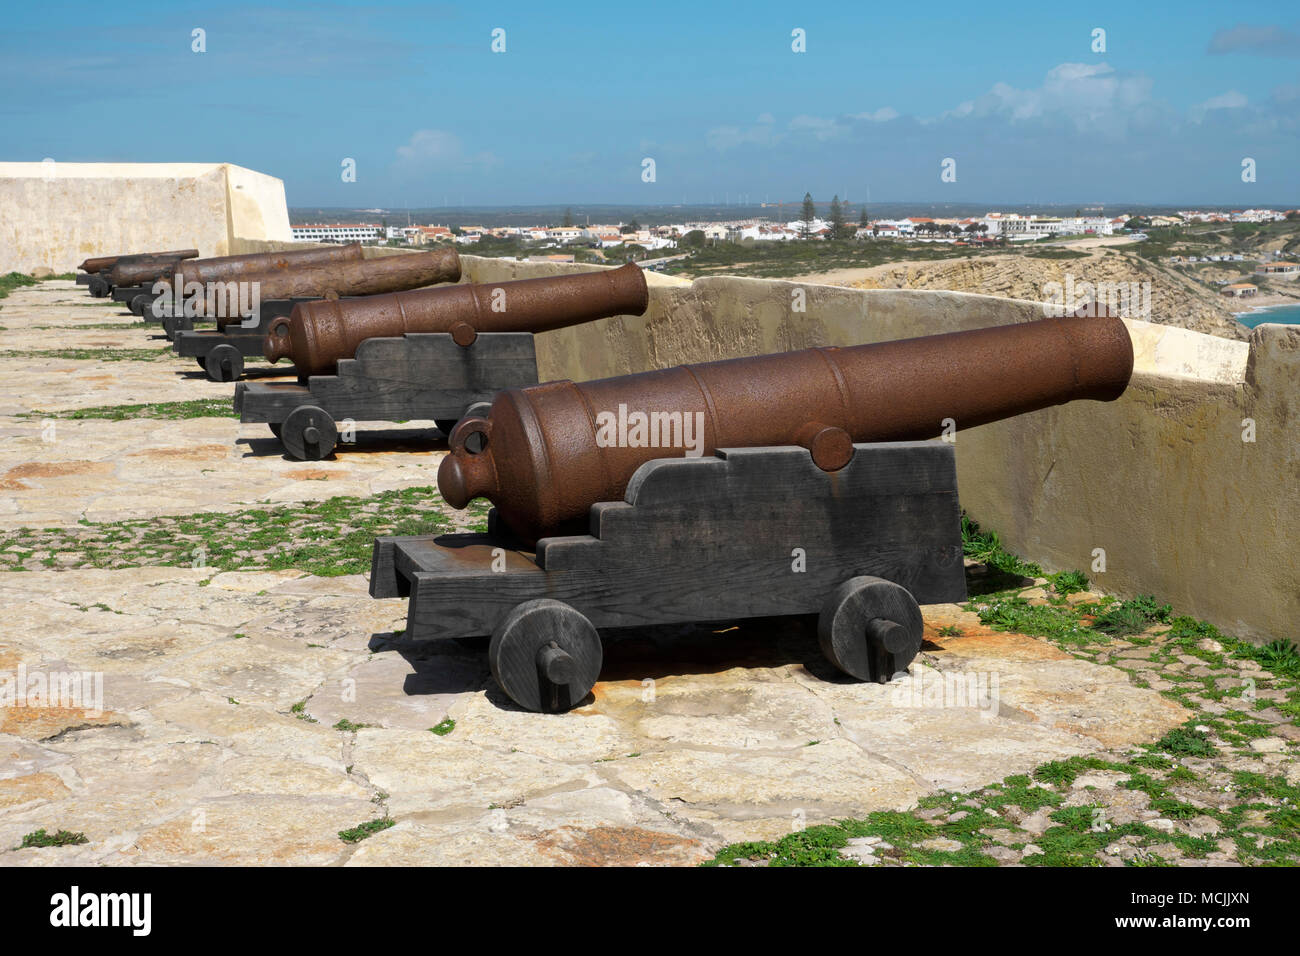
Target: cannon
[
  {"x": 221, "y": 351},
  {"x": 427, "y": 355},
  {"x": 134, "y": 275},
  {"x": 100, "y": 263},
  {"x": 210, "y": 299},
  {"x": 97, "y": 274},
  {"x": 792, "y": 484},
  {"x": 91, "y": 267},
  {"x": 242, "y": 268},
  {"x": 317, "y": 335}
]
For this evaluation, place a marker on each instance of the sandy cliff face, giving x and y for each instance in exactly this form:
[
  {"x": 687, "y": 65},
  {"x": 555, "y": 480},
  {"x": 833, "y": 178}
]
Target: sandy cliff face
[{"x": 1174, "y": 299}]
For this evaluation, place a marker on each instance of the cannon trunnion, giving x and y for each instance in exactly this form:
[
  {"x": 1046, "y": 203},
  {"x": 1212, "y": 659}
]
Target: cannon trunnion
[{"x": 743, "y": 533}]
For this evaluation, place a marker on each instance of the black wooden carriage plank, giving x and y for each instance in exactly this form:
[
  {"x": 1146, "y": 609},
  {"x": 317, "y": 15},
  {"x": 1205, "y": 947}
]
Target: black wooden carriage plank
[
  {"x": 198, "y": 344},
  {"x": 922, "y": 523},
  {"x": 889, "y": 467},
  {"x": 423, "y": 376},
  {"x": 383, "y": 575},
  {"x": 460, "y": 554},
  {"x": 269, "y": 401},
  {"x": 469, "y": 603},
  {"x": 772, "y": 497},
  {"x": 377, "y": 400},
  {"x": 721, "y": 538}
]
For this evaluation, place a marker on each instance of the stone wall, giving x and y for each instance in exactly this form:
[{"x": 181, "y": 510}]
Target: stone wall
[
  {"x": 53, "y": 215},
  {"x": 1160, "y": 480}
]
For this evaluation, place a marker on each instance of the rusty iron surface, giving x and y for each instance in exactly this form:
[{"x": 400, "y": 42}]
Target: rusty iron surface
[
  {"x": 318, "y": 334},
  {"x": 142, "y": 270},
  {"x": 257, "y": 264},
  {"x": 100, "y": 263},
  {"x": 543, "y": 467},
  {"x": 361, "y": 277}
]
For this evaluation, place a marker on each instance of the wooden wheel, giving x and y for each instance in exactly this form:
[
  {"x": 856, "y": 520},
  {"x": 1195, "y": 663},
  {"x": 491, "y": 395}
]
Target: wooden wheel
[
  {"x": 98, "y": 287},
  {"x": 276, "y": 428},
  {"x": 139, "y": 303},
  {"x": 309, "y": 433},
  {"x": 870, "y": 628},
  {"x": 445, "y": 425},
  {"x": 546, "y": 655},
  {"x": 224, "y": 363}
]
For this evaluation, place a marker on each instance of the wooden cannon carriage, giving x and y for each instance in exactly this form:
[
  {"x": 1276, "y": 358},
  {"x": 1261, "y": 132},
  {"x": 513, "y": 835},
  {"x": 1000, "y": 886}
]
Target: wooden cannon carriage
[
  {"x": 420, "y": 376},
  {"x": 743, "y": 533}
]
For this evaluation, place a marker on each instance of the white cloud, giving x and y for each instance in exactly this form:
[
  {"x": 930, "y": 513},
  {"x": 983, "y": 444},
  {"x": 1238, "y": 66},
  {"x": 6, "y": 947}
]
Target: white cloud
[
  {"x": 440, "y": 150},
  {"x": 723, "y": 138},
  {"x": 766, "y": 133},
  {"x": 882, "y": 115},
  {"x": 1092, "y": 99},
  {"x": 1084, "y": 94},
  {"x": 1231, "y": 100},
  {"x": 822, "y": 128}
]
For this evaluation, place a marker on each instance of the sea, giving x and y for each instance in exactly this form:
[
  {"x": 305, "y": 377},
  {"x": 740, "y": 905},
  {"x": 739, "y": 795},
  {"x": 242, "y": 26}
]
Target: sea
[{"x": 1283, "y": 314}]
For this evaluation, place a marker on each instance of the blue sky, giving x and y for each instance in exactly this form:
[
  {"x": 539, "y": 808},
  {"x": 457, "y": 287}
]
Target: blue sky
[{"x": 711, "y": 91}]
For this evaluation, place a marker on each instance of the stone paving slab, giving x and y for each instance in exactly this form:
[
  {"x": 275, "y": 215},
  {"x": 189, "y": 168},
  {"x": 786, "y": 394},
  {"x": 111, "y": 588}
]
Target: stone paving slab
[
  {"x": 111, "y": 470},
  {"x": 222, "y": 695},
  {"x": 59, "y": 315},
  {"x": 55, "y": 472}
]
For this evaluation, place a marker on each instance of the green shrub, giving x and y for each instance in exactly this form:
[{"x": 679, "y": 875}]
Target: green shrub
[{"x": 1130, "y": 617}]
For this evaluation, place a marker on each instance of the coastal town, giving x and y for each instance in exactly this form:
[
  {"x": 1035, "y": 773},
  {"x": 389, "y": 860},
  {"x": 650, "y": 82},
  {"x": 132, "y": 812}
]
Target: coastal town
[
  {"x": 1213, "y": 248},
  {"x": 991, "y": 227}
]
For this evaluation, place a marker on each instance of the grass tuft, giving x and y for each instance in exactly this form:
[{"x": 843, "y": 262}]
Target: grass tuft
[
  {"x": 40, "y": 838},
  {"x": 363, "y": 831}
]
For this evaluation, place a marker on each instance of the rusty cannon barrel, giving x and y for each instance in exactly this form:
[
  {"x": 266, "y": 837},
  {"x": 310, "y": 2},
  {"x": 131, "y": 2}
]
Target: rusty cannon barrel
[
  {"x": 141, "y": 270},
  {"x": 364, "y": 277},
  {"x": 259, "y": 264},
  {"x": 100, "y": 263},
  {"x": 545, "y": 454},
  {"x": 318, "y": 334}
]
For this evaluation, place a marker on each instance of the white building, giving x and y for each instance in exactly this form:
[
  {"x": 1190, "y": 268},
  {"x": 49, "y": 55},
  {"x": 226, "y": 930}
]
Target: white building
[
  {"x": 766, "y": 233},
  {"x": 893, "y": 227},
  {"x": 339, "y": 232},
  {"x": 814, "y": 227},
  {"x": 1257, "y": 215},
  {"x": 1032, "y": 227}
]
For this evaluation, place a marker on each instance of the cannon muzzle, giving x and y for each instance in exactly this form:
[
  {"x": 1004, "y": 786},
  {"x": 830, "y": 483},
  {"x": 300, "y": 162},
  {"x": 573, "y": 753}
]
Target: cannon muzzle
[
  {"x": 319, "y": 334},
  {"x": 545, "y": 454}
]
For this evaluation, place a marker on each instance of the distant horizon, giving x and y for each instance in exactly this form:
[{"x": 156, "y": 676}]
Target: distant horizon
[
  {"x": 300, "y": 214},
  {"x": 819, "y": 202}
]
